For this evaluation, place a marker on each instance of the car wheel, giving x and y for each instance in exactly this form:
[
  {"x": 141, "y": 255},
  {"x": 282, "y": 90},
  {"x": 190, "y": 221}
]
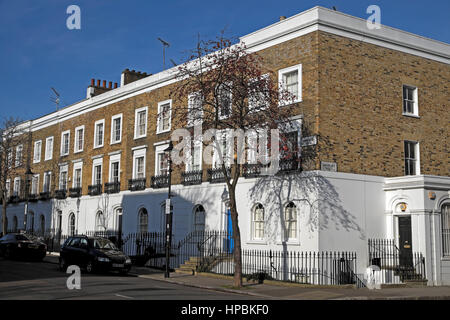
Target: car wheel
[
  {"x": 90, "y": 266},
  {"x": 62, "y": 264}
]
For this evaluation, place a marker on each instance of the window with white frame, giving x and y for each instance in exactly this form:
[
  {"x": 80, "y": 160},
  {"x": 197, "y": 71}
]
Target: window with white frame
[
  {"x": 195, "y": 163},
  {"x": 63, "y": 176},
  {"x": 140, "y": 123},
  {"x": 79, "y": 139},
  {"x": 99, "y": 135},
  {"x": 257, "y": 146},
  {"x": 16, "y": 190},
  {"x": 19, "y": 155},
  {"x": 164, "y": 116},
  {"x": 225, "y": 101},
  {"x": 116, "y": 129},
  {"x": 291, "y": 82},
  {"x": 37, "y": 151},
  {"x": 199, "y": 218},
  {"x": 35, "y": 184},
  {"x": 290, "y": 218},
  {"x": 100, "y": 221},
  {"x": 410, "y": 101},
  {"x": 47, "y": 180},
  {"x": 258, "y": 95},
  {"x": 162, "y": 163},
  {"x": 139, "y": 159},
  {"x": 77, "y": 174},
  {"x": 222, "y": 149},
  {"x": 258, "y": 222},
  {"x": 445, "y": 223},
  {"x": 8, "y": 188},
  {"x": 97, "y": 172},
  {"x": 143, "y": 221},
  {"x": 195, "y": 109},
  {"x": 412, "y": 159},
  {"x": 49, "y": 148},
  {"x": 72, "y": 224},
  {"x": 65, "y": 143},
  {"x": 114, "y": 168}
]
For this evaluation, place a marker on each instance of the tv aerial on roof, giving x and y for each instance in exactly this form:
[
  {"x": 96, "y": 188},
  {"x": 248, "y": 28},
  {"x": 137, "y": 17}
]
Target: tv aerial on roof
[
  {"x": 165, "y": 44},
  {"x": 56, "y": 100}
]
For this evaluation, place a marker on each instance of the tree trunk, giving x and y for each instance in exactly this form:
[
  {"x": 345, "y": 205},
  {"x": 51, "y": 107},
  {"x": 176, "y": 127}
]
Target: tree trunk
[
  {"x": 237, "y": 252},
  {"x": 4, "y": 226}
]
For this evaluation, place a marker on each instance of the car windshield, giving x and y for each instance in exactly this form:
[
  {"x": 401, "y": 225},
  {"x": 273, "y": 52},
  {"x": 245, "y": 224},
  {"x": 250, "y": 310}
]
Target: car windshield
[{"x": 103, "y": 244}]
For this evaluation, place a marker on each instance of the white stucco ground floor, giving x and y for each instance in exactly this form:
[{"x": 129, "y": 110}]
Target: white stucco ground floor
[{"x": 308, "y": 211}]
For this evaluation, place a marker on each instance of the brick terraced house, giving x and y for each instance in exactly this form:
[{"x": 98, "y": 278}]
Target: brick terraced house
[{"x": 378, "y": 105}]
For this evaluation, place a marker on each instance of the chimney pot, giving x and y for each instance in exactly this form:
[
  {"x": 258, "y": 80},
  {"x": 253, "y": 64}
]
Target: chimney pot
[
  {"x": 134, "y": 71},
  {"x": 104, "y": 83},
  {"x": 282, "y": 18},
  {"x": 98, "y": 82},
  {"x": 115, "y": 85},
  {"x": 92, "y": 82},
  {"x": 110, "y": 85}
]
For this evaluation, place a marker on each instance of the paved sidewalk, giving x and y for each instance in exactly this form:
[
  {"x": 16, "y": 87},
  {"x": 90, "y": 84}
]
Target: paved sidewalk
[{"x": 289, "y": 292}]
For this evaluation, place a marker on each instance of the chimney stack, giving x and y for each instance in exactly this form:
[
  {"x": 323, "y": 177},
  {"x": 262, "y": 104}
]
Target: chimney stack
[
  {"x": 282, "y": 18},
  {"x": 95, "y": 90},
  {"x": 131, "y": 76}
]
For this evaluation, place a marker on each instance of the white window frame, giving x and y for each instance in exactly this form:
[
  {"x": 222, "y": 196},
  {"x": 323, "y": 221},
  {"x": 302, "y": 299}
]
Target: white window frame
[
  {"x": 251, "y": 107},
  {"x": 97, "y": 162},
  {"x": 76, "y": 147},
  {"x": 159, "y": 150},
  {"x": 253, "y": 223},
  {"x": 63, "y": 168},
  {"x": 36, "y": 176},
  {"x": 102, "y": 122},
  {"x": 297, "y": 225},
  {"x": 17, "y": 192},
  {"x": 8, "y": 188},
  {"x": 49, "y": 155},
  {"x": 77, "y": 165},
  {"x": 415, "y": 112},
  {"x": 49, "y": 173},
  {"x": 19, "y": 163},
  {"x": 191, "y": 121},
  {"x": 159, "y": 119},
  {"x": 62, "y": 142},
  {"x": 113, "y": 159},
  {"x": 220, "y": 135},
  {"x": 37, "y": 151},
  {"x": 281, "y": 72},
  {"x": 136, "y": 123},
  {"x": 231, "y": 101},
  {"x": 416, "y": 153},
  {"x": 113, "y": 131},
  {"x": 194, "y": 143}
]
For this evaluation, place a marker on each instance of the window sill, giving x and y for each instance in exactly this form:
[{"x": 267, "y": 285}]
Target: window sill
[
  {"x": 98, "y": 147},
  {"x": 137, "y": 138},
  {"x": 290, "y": 243},
  {"x": 116, "y": 142},
  {"x": 411, "y": 115},
  {"x": 79, "y": 151},
  {"x": 290, "y": 103},
  {"x": 260, "y": 242},
  {"x": 164, "y": 131}
]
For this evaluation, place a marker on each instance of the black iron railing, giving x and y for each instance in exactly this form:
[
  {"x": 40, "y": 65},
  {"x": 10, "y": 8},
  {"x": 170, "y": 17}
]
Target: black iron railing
[
  {"x": 289, "y": 165},
  {"x": 396, "y": 266},
  {"x": 190, "y": 178},
  {"x": 61, "y": 194},
  {"x": 251, "y": 170},
  {"x": 95, "y": 190},
  {"x": 112, "y": 187},
  {"x": 217, "y": 176},
  {"x": 137, "y": 184},
  {"x": 33, "y": 197},
  {"x": 43, "y": 196},
  {"x": 161, "y": 181},
  {"x": 75, "y": 192},
  {"x": 14, "y": 199}
]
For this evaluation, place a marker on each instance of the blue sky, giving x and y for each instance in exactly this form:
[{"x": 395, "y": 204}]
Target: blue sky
[{"x": 38, "y": 52}]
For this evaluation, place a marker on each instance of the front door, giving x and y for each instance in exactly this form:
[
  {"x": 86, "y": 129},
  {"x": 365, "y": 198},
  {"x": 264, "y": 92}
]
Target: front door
[
  {"x": 405, "y": 241},
  {"x": 230, "y": 243}
]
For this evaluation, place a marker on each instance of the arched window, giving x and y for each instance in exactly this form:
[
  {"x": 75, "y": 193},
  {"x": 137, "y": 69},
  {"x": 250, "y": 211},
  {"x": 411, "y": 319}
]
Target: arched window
[
  {"x": 99, "y": 222},
  {"x": 42, "y": 223},
  {"x": 143, "y": 220},
  {"x": 15, "y": 224},
  {"x": 199, "y": 218},
  {"x": 445, "y": 222},
  {"x": 71, "y": 224},
  {"x": 290, "y": 218},
  {"x": 258, "y": 222}
]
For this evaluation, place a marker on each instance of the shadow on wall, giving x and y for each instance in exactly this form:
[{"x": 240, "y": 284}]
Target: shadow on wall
[{"x": 307, "y": 188}]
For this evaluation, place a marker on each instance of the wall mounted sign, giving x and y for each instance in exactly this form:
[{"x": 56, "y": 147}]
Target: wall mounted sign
[
  {"x": 328, "y": 166},
  {"x": 309, "y": 141}
]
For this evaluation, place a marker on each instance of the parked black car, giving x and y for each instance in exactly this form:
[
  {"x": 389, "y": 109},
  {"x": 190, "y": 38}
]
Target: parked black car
[
  {"x": 93, "y": 254},
  {"x": 21, "y": 245}
]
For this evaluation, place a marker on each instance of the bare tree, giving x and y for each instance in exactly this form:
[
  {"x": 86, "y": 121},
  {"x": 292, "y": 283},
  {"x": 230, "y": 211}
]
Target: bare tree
[
  {"x": 229, "y": 88},
  {"x": 15, "y": 146}
]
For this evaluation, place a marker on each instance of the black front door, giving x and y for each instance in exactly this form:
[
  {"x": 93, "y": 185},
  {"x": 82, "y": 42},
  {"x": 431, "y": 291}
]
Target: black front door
[{"x": 405, "y": 241}]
